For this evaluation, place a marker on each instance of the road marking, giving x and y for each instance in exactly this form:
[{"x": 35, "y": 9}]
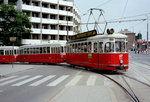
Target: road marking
[
  {"x": 59, "y": 80},
  {"x": 42, "y": 80},
  {"x": 74, "y": 81},
  {"x": 7, "y": 78},
  {"x": 1, "y": 91},
  {"x": 7, "y": 82},
  {"x": 91, "y": 80},
  {"x": 26, "y": 81}
]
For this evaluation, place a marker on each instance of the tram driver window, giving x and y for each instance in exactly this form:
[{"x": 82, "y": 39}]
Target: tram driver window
[
  {"x": 109, "y": 47},
  {"x": 95, "y": 47},
  {"x": 120, "y": 46}
]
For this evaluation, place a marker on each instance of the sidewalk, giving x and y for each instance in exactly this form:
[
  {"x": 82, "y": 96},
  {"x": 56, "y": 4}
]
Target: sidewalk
[{"x": 7, "y": 69}]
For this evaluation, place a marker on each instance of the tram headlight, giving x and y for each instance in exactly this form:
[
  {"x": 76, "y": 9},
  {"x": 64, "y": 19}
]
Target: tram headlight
[{"x": 121, "y": 61}]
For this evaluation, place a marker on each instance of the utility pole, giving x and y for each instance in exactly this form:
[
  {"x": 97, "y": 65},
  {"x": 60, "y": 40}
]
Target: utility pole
[{"x": 147, "y": 33}]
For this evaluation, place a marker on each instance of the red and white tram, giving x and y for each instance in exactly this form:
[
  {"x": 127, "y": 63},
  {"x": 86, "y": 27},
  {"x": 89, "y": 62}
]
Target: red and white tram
[
  {"x": 46, "y": 53},
  {"x": 8, "y": 54},
  {"x": 108, "y": 52}
]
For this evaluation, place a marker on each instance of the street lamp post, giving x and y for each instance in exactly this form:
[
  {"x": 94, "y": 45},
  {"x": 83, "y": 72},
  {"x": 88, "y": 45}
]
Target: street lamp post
[{"x": 12, "y": 39}]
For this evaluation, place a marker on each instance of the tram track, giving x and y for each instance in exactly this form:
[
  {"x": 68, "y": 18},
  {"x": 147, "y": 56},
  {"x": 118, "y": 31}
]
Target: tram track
[
  {"x": 137, "y": 80},
  {"x": 131, "y": 94}
]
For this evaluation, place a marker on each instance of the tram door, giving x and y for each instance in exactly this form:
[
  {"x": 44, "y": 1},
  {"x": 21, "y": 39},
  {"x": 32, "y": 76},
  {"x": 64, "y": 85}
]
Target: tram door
[{"x": 95, "y": 55}]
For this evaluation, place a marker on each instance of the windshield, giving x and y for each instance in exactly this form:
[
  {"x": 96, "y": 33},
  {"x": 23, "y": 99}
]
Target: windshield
[{"x": 120, "y": 46}]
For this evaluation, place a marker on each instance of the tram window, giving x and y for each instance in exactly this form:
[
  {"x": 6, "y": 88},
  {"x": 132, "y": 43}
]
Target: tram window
[
  {"x": 109, "y": 47},
  {"x": 40, "y": 50},
  {"x": 32, "y": 51},
  {"x": 15, "y": 52},
  {"x": 79, "y": 47},
  {"x": 6, "y": 52},
  {"x": 82, "y": 47},
  {"x": 95, "y": 47},
  {"x": 48, "y": 50},
  {"x": 44, "y": 50},
  {"x": 100, "y": 46},
  {"x": 52, "y": 50},
  {"x": 62, "y": 50},
  {"x": 25, "y": 51},
  {"x": 1, "y": 52},
  {"x": 85, "y": 47},
  {"x": 120, "y": 46},
  {"x": 89, "y": 47}
]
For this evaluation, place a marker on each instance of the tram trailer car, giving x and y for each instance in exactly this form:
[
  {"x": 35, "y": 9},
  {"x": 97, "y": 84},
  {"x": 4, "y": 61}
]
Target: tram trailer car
[
  {"x": 46, "y": 53},
  {"x": 108, "y": 52},
  {"x": 8, "y": 54}
]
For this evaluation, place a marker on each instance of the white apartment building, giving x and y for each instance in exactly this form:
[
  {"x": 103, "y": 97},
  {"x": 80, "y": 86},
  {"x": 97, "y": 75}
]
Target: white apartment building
[{"x": 52, "y": 20}]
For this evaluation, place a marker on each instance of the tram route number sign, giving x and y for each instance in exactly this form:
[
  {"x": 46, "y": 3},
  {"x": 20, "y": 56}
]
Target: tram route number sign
[{"x": 85, "y": 34}]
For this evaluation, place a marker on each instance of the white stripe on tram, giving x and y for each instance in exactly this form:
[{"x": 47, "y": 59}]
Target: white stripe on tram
[
  {"x": 7, "y": 78},
  {"x": 59, "y": 80},
  {"x": 42, "y": 80},
  {"x": 91, "y": 80},
  {"x": 7, "y": 82},
  {"x": 26, "y": 81},
  {"x": 74, "y": 81}
]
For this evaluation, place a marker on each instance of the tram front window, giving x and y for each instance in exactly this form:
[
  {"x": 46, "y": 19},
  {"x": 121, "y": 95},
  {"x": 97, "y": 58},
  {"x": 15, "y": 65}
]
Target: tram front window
[
  {"x": 109, "y": 47},
  {"x": 120, "y": 46}
]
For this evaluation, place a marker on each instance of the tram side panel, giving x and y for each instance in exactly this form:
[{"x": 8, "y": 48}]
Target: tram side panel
[
  {"x": 113, "y": 61},
  {"x": 7, "y": 58}
]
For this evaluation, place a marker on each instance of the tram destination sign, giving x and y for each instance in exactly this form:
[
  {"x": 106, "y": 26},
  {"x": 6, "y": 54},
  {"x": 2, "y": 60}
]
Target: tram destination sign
[{"x": 84, "y": 35}]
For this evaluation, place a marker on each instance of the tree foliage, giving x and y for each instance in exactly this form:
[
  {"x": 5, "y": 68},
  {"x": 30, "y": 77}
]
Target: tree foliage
[{"x": 13, "y": 23}]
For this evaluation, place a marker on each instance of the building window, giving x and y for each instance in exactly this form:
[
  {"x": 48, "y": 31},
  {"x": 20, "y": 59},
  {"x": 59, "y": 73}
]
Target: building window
[
  {"x": 45, "y": 5},
  {"x": 35, "y": 36},
  {"x": 26, "y": 13},
  {"x": 53, "y": 16},
  {"x": 69, "y": 18},
  {"x": 53, "y": 37},
  {"x": 61, "y": 37},
  {"x": 61, "y": 8},
  {"x": 69, "y": 28},
  {"x": 35, "y": 14},
  {"x": 45, "y": 26},
  {"x": 26, "y": 2},
  {"x": 53, "y": 27},
  {"x": 61, "y": 27},
  {"x": 61, "y": 17},
  {"x": 44, "y": 15},
  {"x": 35, "y": 3},
  {"x": 53, "y": 6},
  {"x": 45, "y": 37},
  {"x": 35, "y": 25}
]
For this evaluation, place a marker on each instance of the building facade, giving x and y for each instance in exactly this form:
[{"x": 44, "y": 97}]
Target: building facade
[
  {"x": 130, "y": 39},
  {"x": 52, "y": 20}
]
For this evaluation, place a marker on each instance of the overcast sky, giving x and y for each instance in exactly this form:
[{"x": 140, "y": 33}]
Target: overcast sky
[{"x": 114, "y": 9}]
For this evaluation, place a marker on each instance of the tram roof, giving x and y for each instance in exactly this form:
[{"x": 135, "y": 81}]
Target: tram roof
[
  {"x": 8, "y": 47},
  {"x": 100, "y": 36},
  {"x": 43, "y": 45}
]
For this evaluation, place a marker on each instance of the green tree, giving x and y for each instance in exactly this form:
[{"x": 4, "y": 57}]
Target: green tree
[{"x": 13, "y": 23}]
